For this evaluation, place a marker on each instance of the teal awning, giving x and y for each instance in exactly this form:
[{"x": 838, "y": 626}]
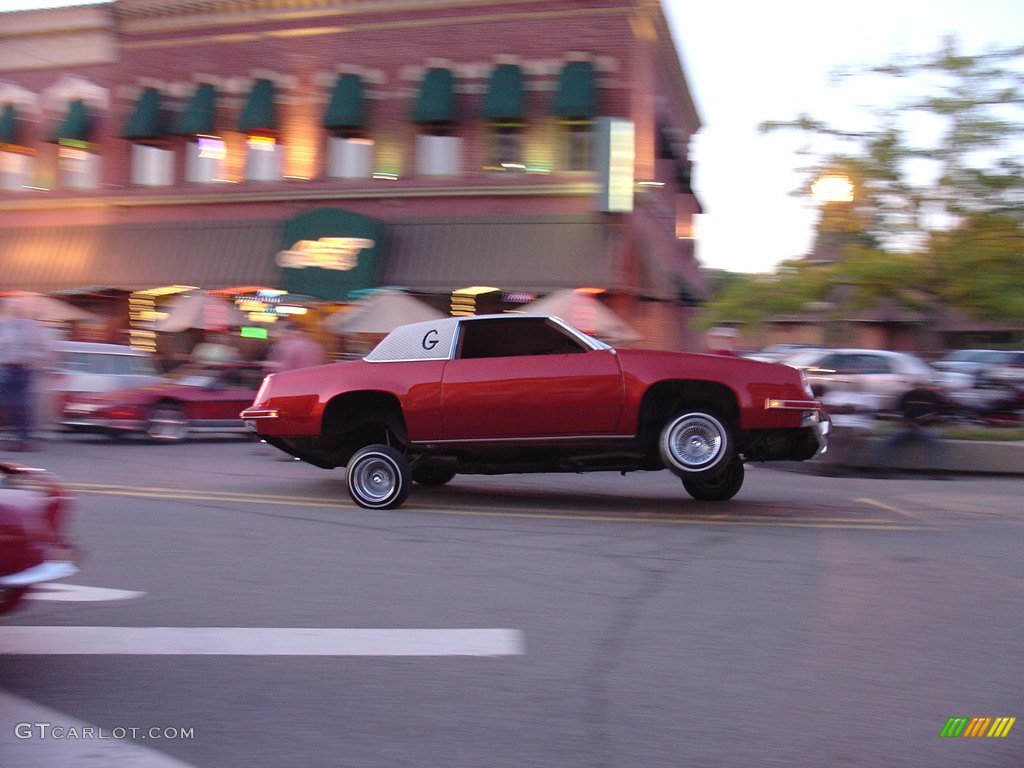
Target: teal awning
[
  {"x": 436, "y": 102},
  {"x": 76, "y": 124},
  {"x": 346, "y": 108},
  {"x": 199, "y": 118},
  {"x": 10, "y": 129},
  {"x": 504, "y": 100},
  {"x": 260, "y": 114},
  {"x": 576, "y": 96},
  {"x": 146, "y": 121}
]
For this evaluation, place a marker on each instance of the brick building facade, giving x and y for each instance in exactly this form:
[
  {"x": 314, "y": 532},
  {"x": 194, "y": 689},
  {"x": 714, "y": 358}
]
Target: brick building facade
[{"x": 331, "y": 146}]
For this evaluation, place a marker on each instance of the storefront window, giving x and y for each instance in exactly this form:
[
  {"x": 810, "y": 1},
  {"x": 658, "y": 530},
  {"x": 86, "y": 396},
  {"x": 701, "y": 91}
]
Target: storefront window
[
  {"x": 578, "y": 144},
  {"x": 152, "y": 166},
  {"x": 438, "y": 151},
  {"x": 263, "y": 159},
  {"x": 204, "y": 159},
  {"x": 77, "y": 166},
  {"x": 506, "y": 146},
  {"x": 349, "y": 156},
  {"x": 15, "y": 170}
]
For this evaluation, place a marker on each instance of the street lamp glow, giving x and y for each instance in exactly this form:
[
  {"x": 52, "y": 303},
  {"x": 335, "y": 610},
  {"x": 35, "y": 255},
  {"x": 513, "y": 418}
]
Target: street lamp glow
[{"x": 833, "y": 189}]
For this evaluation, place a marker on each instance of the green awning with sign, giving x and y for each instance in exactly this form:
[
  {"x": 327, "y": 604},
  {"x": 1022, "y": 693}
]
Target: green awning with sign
[
  {"x": 504, "y": 100},
  {"x": 199, "y": 118},
  {"x": 346, "y": 109},
  {"x": 576, "y": 96},
  {"x": 10, "y": 129},
  {"x": 436, "y": 102},
  {"x": 260, "y": 114},
  {"x": 146, "y": 120},
  {"x": 330, "y": 254},
  {"x": 76, "y": 124}
]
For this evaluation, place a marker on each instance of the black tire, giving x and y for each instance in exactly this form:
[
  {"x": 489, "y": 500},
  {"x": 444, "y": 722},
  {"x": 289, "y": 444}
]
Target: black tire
[
  {"x": 378, "y": 477},
  {"x": 167, "y": 423},
  {"x": 10, "y": 597},
  {"x": 720, "y": 487},
  {"x": 433, "y": 475},
  {"x": 695, "y": 444}
]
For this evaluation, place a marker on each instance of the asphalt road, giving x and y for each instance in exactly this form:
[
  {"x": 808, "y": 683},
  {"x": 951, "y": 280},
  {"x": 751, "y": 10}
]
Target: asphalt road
[{"x": 582, "y": 620}]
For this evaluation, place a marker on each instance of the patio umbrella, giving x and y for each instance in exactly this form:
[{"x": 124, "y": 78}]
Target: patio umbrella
[
  {"x": 199, "y": 310},
  {"x": 381, "y": 312},
  {"x": 39, "y": 306},
  {"x": 586, "y": 313}
]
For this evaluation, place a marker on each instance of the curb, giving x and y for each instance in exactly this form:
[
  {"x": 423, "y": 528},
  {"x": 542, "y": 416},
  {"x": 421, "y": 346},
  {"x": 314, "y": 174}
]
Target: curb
[{"x": 852, "y": 450}]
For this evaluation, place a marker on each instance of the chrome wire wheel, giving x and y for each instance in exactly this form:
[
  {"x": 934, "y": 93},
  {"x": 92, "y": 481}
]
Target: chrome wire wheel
[
  {"x": 695, "y": 443},
  {"x": 378, "y": 477},
  {"x": 167, "y": 423}
]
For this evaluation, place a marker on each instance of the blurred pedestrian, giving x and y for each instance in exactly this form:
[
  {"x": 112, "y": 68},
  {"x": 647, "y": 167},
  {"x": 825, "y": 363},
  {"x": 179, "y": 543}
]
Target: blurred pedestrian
[
  {"x": 216, "y": 347},
  {"x": 922, "y": 408},
  {"x": 26, "y": 353},
  {"x": 294, "y": 349}
]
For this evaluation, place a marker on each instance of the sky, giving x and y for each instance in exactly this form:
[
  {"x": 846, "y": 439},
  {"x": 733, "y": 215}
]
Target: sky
[{"x": 749, "y": 61}]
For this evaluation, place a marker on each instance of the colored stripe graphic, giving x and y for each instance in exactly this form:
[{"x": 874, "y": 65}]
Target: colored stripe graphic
[{"x": 977, "y": 727}]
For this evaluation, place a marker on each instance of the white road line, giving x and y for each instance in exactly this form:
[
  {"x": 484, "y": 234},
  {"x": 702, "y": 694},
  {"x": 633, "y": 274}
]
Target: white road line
[
  {"x": 74, "y": 593},
  {"x": 259, "y": 641},
  {"x": 20, "y": 718}
]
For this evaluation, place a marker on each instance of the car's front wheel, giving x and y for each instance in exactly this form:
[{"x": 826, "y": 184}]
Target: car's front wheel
[
  {"x": 695, "y": 444},
  {"x": 720, "y": 487},
  {"x": 378, "y": 477},
  {"x": 10, "y": 597},
  {"x": 167, "y": 423}
]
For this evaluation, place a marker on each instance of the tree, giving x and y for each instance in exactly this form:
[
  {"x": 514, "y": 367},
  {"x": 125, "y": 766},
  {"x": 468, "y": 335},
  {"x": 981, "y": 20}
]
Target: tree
[{"x": 942, "y": 212}]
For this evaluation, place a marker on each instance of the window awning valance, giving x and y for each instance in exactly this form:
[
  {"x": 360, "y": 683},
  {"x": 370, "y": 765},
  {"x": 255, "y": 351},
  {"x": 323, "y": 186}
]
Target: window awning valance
[
  {"x": 76, "y": 125},
  {"x": 200, "y": 117},
  {"x": 260, "y": 113},
  {"x": 10, "y": 128},
  {"x": 504, "y": 100},
  {"x": 346, "y": 108},
  {"x": 576, "y": 96},
  {"x": 436, "y": 102},
  {"x": 146, "y": 120}
]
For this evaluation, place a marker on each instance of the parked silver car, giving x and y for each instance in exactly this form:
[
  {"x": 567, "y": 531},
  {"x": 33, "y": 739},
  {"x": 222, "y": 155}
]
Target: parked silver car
[
  {"x": 88, "y": 368},
  {"x": 874, "y": 379}
]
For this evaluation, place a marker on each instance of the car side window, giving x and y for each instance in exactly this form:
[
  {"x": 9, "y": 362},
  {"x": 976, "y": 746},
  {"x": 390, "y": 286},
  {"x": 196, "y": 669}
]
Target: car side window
[
  {"x": 873, "y": 364},
  {"x": 514, "y": 338}
]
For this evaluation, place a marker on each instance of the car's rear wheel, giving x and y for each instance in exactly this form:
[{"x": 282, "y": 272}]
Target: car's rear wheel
[
  {"x": 720, "y": 487},
  {"x": 695, "y": 444},
  {"x": 378, "y": 477},
  {"x": 167, "y": 423}
]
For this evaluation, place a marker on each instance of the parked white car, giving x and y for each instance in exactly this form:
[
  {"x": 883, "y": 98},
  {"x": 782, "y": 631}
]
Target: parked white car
[
  {"x": 88, "y": 368},
  {"x": 878, "y": 379}
]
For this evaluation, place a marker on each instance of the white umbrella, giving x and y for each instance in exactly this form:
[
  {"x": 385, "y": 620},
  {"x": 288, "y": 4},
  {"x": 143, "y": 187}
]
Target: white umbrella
[
  {"x": 381, "y": 312},
  {"x": 39, "y": 306},
  {"x": 585, "y": 312},
  {"x": 200, "y": 310}
]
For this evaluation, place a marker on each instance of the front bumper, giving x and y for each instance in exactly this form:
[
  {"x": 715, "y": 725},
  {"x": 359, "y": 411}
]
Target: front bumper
[{"x": 48, "y": 570}]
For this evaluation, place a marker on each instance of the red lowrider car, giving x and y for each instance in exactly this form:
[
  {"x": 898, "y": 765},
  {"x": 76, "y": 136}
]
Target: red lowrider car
[
  {"x": 520, "y": 393},
  {"x": 33, "y": 518},
  {"x": 194, "y": 398}
]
